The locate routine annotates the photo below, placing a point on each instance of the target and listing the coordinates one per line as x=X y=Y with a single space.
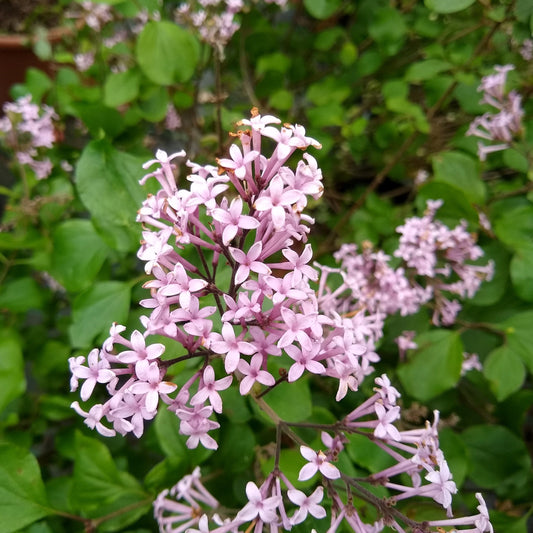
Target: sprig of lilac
x=28 y=130
x=505 y=124
x=245 y=294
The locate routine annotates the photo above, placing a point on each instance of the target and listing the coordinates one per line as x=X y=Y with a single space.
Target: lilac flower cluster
x=419 y=470
x=27 y=128
x=226 y=303
x=214 y=20
x=232 y=281
x=434 y=264
x=112 y=28
x=504 y=125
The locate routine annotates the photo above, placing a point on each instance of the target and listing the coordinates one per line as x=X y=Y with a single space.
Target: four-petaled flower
x=258 y=505
x=317 y=462
x=306 y=504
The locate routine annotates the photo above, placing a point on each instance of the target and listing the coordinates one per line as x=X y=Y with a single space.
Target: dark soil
x=20 y=16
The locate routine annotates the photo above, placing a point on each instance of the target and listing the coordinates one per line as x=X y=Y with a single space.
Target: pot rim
x=25 y=40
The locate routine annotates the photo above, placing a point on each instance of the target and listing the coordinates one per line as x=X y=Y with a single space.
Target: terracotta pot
x=16 y=56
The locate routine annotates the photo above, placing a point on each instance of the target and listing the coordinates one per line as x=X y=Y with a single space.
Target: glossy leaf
x=522 y=272
x=322 y=9
x=22 y=495
x=108 y=184
x=426 y=70
x=121 y=87
x=21 y=295
x=448 y=6
x=518 y=336
x=166 y=52
x=505 y=371
x=462 y=172
x=514 y=225
x=12 y=379
x=456 y=207
x=435 y=366
x=78 y=254
x=100 y=489
x=506 y=454
x=94 y=311
x=299 y=408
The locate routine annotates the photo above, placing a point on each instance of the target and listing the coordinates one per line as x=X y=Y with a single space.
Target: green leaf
x=154 y=104
x=165 y=473
x=21 y=295
x=498 y=459
x=436 y=365
x=22 y=494
x=237 y=444
x=276 y=62
x=522 y=272
x=448 y=6
x=100 y=489
x=331 y=114
x=326 y=39
x=518 y=335
x=300 y=406
x=388 y=29
x=516 y=160
x=121 y=87
x=363 y=451
x=462 y=172
x=505 y=371
x=502 y=521
x=322 y=9
x=100 y=119
x=491 y=291
x=78 y=254
x=167 y=53
x=514 y=225
x=37 y=83
x=281 y=99
x=94 y=310
x=108 y=184
x=235 y=405
x=326 y=91
x=426 y=70
x=12 y=380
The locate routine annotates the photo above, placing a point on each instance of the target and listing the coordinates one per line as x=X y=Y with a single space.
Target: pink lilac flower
x=317 y=463
x=98 y=370
x=253 y=373
x=258 y=505
x=233 y=220
x=150 y=384
x=502 y=126
x=248 y=262
x=208 y=390
x=28 y=129
x=231 y=347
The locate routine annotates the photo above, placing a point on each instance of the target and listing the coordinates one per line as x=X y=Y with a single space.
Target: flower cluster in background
x=502 y=126
x=216 y=21
x=28 y=130
x=435 y=262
